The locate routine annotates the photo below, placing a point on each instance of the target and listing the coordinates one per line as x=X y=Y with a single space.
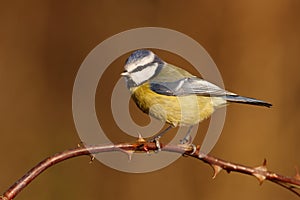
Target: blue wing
x=188 y=86
x=197 y=86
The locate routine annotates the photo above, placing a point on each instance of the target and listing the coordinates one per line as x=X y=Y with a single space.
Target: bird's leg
x=187 y=138
x=159 y=135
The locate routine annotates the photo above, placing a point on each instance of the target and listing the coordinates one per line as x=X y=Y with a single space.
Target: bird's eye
x=139 y=68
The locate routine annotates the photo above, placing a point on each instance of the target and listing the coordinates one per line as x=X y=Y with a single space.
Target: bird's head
x=141 y=66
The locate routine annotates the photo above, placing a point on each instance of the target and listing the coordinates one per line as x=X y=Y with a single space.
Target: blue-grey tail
x=247 y=100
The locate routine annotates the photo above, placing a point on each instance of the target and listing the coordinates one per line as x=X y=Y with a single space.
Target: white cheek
x=144 y=75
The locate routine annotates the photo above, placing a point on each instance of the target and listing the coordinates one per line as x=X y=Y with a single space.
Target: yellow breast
x=183 y=111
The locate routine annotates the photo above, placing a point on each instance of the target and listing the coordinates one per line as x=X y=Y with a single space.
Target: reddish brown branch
x=261 y=172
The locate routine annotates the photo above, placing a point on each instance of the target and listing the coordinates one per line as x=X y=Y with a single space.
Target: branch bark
x=141 y=146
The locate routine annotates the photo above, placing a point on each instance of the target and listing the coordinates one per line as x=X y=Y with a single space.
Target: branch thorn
x=129 y=153
x=92 y=158
x=260 y=169
x=81 y=144
x=216 y=169
x=141 y=139
x=259 y=177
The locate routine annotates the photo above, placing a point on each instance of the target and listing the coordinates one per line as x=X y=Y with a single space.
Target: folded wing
x=200 y=87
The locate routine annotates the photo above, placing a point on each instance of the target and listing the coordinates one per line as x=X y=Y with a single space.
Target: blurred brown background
x=255 y=44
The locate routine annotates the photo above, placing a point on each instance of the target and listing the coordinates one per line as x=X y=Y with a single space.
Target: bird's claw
x=157 y=143
x=186 y=140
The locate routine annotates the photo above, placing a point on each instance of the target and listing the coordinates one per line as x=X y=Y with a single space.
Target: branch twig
x=260 y=172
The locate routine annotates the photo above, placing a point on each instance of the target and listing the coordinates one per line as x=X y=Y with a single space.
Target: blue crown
x=137 y=55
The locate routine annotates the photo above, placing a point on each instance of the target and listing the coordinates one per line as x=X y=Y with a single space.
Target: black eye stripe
x=141 y=67
x=156 y=60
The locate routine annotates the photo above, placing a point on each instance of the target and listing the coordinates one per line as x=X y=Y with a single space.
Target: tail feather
x=247 y=100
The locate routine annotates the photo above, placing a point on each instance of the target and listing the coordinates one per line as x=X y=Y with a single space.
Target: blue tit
x=173 y=95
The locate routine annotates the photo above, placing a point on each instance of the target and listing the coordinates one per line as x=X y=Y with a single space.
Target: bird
x=172 y=94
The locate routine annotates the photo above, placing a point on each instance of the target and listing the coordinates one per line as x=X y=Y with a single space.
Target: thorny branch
x=141 y=146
